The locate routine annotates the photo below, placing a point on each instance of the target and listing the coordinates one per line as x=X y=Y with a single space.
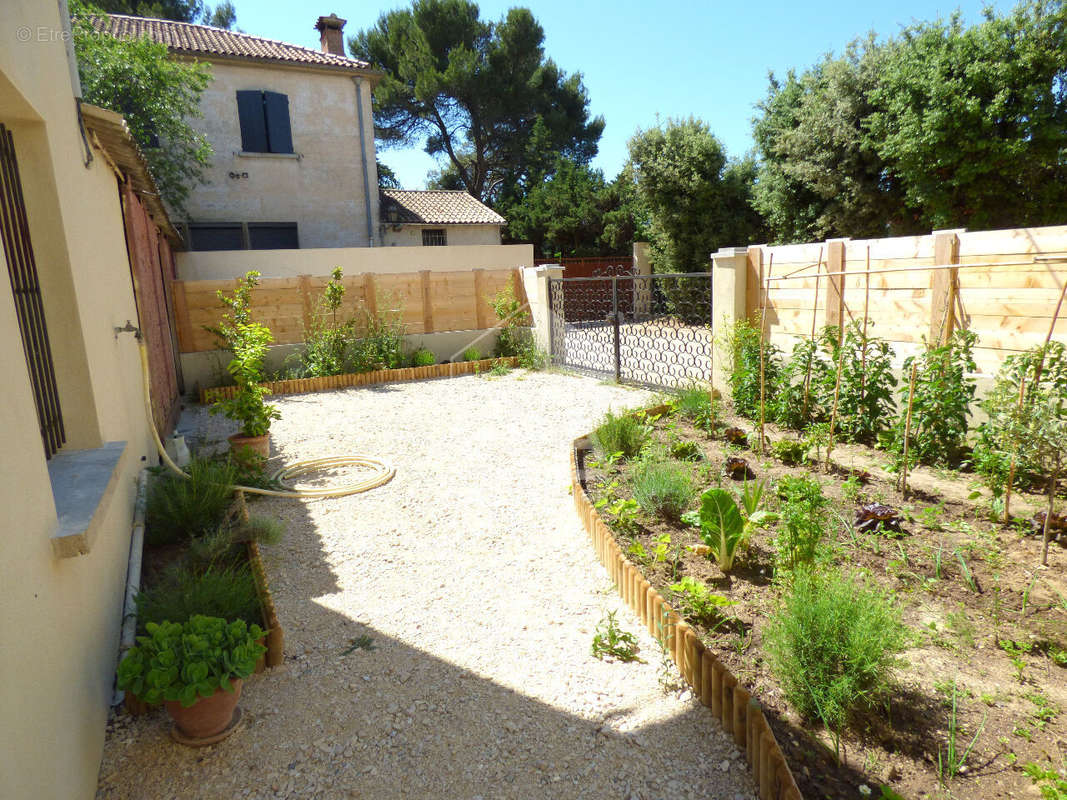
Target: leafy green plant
x=850 y=490
x=513 y=328
x=742 y=347
x=326 y=339
x=1051 y=783
x=610 y=641
x=952 y=760
x=228 y=592
x=378 y=336
x=865 y=396
x=182 y=661
x=248 y=341
x=685 y=449
x=178 y=508
x=423 y=358
x=789 y=451
x=472 y=354
x=663 y=488
x=804 y=521
x=944 y=389
x=797 y=399
x=722 y=527
x=833 y=645
x=699 y=406
x=699 y=603
x=624 y=434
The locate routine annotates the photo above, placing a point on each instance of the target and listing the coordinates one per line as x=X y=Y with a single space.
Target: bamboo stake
x=907 y=432
x=1048 y=514
x=762 y=359
x=863 y=350
x=1037 y=385
x=833 y=415
x=814 y=317
x=1011 y=470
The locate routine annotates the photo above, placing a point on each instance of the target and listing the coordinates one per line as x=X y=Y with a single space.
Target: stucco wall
x=411 y=235
x=60 y=618
x=321 y=188
x=224 y=264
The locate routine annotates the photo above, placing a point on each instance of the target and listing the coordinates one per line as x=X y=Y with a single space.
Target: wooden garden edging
x=302 y=385
x=730 y=703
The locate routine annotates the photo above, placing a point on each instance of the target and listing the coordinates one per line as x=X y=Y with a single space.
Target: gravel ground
x=473 y=577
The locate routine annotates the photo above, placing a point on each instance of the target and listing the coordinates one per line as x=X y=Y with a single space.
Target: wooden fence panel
x=427 y=302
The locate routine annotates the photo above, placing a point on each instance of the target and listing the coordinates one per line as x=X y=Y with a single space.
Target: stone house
x=293 y=135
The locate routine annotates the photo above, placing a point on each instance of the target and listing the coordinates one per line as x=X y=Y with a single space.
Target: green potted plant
x=195 y=669
x=248 y=341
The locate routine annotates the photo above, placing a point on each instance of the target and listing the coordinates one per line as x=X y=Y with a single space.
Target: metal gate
x=652 y=330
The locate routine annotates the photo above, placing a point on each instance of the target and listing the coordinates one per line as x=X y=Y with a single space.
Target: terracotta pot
x=260 y=445
x=208 y=715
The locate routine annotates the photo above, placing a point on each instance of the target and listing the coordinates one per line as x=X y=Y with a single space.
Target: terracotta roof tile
x=436 y=207
x=203 y=40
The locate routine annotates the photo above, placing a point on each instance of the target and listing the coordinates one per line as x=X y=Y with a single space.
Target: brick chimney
x=330 y=38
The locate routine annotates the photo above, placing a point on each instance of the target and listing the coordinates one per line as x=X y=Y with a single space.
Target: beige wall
x=223 y=264
x=60 y=618
x=411 y=235
x=321 y=188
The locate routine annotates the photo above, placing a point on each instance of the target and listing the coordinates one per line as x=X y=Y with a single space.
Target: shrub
x=833 y=645
x=513 y=331
x=472 y=354
x=804 y=521
x=326 y=339
x=178 y=508
x=423 y=358
x=786 y=404
x=743 y=350
x=378 y=338
x=624 y=434
x=865 y=399
x=228 y=592
x=941 y=402
x=663 y=488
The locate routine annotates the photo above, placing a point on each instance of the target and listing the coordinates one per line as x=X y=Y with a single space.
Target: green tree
x=694 y=198
x=820 y=175
x=973 y=121
x=224 y=15
x=179 y=10
x=473 y=91
x=386 y=177
x=156 y=95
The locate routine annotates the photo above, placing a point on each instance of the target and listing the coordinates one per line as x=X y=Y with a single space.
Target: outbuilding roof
x=435 y=207
x=187 y=38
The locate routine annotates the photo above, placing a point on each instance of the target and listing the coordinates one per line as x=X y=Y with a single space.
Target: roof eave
x=373 y=76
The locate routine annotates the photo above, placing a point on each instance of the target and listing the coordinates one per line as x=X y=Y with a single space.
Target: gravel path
x=471 y=573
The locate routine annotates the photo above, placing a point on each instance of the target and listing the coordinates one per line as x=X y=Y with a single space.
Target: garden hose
x=382 y=475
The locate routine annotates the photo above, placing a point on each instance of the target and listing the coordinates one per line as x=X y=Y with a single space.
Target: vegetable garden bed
x=980 y=691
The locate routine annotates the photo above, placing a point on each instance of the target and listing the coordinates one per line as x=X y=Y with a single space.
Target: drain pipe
x=133 y=579
x=363 y=160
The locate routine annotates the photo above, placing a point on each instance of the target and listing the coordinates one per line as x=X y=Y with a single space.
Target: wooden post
x=481 y=302
x=814 y=318
x=765 y=287
x=835 y=283
x=181 y=317
x=427 y=301
x=866 y=308
x=370 y=294
x=944 y=287
x=305 y=298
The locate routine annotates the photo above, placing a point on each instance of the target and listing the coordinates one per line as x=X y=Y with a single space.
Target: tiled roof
x=203 y=40
x=436 y=207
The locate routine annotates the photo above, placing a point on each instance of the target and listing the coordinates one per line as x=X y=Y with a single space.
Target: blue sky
x=641 y=61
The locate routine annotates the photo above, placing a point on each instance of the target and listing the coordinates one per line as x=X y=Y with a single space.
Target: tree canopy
x=221 y=16
x=156 y=94
x=476 y=92
x=943 y=126
x=694 y=198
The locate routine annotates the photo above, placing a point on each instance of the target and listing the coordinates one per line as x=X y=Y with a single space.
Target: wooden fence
x=1003 y=285
x=428 y=302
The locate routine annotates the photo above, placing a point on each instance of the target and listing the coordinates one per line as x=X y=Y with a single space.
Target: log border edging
x=734 y=706
x=349 y=379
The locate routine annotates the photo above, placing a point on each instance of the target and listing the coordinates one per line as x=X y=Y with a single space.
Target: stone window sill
x=248 y=154
x=83 y=485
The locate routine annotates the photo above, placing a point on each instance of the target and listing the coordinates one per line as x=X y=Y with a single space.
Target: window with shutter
x=264 y=119
x=272 y=236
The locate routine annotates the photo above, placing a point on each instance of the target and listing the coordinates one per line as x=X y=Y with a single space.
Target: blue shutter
x=253 y=129
x=279 y=134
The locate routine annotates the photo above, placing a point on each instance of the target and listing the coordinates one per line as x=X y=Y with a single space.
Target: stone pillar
x=642 y=288
x=535 y=281
x=729 y=278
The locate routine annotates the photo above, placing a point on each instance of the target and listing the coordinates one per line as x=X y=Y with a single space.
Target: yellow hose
x=383 y=475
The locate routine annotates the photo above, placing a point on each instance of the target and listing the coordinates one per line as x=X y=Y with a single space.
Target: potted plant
x=195 y=669
x=248 y=341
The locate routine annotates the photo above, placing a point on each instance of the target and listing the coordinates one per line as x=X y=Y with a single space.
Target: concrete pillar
x=642 y=288
x=535 y=281
x=729 y=278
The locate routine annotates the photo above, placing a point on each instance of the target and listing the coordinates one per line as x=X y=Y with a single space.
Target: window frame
x=265 y=122
x=431 y=234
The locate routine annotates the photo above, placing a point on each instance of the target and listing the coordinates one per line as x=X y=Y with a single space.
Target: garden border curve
x=733 y=705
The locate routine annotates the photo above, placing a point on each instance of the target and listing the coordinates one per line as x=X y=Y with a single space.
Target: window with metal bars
x=434 y=237
x=26 y=290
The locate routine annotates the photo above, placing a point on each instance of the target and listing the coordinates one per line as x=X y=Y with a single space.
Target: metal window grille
x=26 y=290
x=434 y=237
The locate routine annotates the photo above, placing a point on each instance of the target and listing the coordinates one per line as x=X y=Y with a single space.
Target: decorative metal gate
x=653 y=330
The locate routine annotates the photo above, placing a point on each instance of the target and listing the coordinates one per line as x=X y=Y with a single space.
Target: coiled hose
x=382 y=475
